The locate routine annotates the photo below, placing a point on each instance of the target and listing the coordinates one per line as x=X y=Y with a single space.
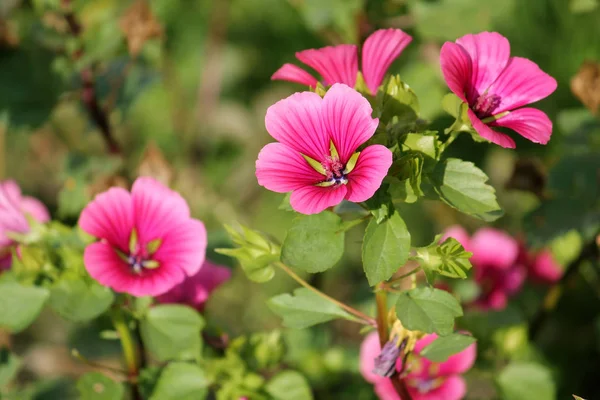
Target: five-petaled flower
x=339 y=64
x=316 y=158
x=13 y=210
x=425 y=380
x=478 y=69
x=148 y=241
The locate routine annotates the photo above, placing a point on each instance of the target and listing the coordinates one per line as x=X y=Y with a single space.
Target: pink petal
x=369 y=349
x=458 y=363
x=183 y=246
x=282 y=169
x=385 y=390
x=493 y=248
x=293 y=73
x=372 y=166
x=489 y=52
x=460 y=234
x=5 y=262
x=347 y=116
x=424 y=342
x=495 y=300
x=522 y=82
x=456 y=68
x=514 y=279
x=488 y=133
x=379 y=51
x=544 y=268
x=35 y=208
x=336 y=64
x=297 y=122
x=530 y=123
x=314 y=199
x=11 y=216
x=156 y=209
x=453 y=388
x=109 y=216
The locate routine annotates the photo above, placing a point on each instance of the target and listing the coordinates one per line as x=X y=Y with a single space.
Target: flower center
x=139 y=257
x=486 y=104
x=332 y=168
x=334 y=171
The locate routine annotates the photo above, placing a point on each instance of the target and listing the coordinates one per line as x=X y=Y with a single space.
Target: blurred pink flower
x=478 y=69
x=339 y=64
x=316 y=158
x=541 y=266
x=425 y=380
x=13 y=209
x=195 y=290
x=148 y=241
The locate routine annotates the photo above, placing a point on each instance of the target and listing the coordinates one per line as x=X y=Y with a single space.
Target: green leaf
x=20 y=305
x=428 y=310
x=314 y=243
x=526 y=381
x=79 y=301
x=398 y=103
x=9 y=366
x=289 y=385
x=462 y=185
x=305 y=308
x=181 y=381
x=97 y=386
x=172 y=331
x=386 y=247
x=445 y=346
x=448 y=258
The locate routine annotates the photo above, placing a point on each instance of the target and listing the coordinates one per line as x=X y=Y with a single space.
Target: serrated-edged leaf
x=463 y=186
x=289 y=385
x=428 y=310
x=448 y=258
x=386 y=247
x=445 y=346
x=526 y=381
x=314 y=243
x=181 y=381
x=305 y=308
x=20 y=305
x=97 y=386
x=77 y=300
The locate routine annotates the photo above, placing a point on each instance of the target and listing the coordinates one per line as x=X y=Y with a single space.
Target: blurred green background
x=183 y=86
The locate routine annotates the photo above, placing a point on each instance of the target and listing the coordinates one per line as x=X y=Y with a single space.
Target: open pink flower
x=541 y=266
x=497 y=265
x=195 y=290
x=478 y=69
x=425 y=379
x=148 y=241
x=316 y=158
x=13 y=209
x=339 y=64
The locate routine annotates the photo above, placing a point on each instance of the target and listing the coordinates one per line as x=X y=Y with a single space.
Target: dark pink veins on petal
x=486 y=104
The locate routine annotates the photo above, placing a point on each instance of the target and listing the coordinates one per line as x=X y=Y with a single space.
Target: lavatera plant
x=352 y=149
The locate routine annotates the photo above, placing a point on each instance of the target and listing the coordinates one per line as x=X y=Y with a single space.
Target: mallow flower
x=425 y=380
x=195 y=290
x=14 y=207
x=148 y=243
x=339 y=64
x=317 y=156
x=478 y=69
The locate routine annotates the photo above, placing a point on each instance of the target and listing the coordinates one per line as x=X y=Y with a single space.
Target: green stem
x=401 y=277
x=453 y=135
x=382 y=323
x=365 y=319
x=130 y=351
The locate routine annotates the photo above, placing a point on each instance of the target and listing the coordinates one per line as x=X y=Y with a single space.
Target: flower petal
x=11 y=216
x=35 y=208
x=489 y=52
x=183 y=246
x=336 y=64
x=379 y=51
x=347 y=116
x=522 y=82
x=456 y=68
x=292 y=73
x=369 y=349
x=314 y=199
x=460 y=234
x=282 y=169
x=530 y=123
x=488 y=133
x=494 y=248
x=385 y=390
x=372 y=166
x=297 y=122
x=544 y=268
x=109 y=216
x=458 y=363
x=453 y=388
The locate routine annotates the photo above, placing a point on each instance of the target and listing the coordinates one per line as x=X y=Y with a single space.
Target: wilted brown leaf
x=139 y=24
x=8 y=34
x=585 y=85
x=155 y=164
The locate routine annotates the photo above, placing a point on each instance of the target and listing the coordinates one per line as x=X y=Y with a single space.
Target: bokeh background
x=180 y=89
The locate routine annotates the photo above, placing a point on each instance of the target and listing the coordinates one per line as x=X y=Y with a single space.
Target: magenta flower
x=316 y=158
x=425 y=380
x=541 y=266
x=195 y=290
x=339 y=64
x=13 y=209
x=148 y=242
x=478 y=69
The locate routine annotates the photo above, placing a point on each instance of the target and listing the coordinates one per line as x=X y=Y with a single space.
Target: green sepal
x=317 y=166
x=150 y=264
x=325 y=184
x=333 y=151
x=133 y=240
x=153 y=246
x=351 y=164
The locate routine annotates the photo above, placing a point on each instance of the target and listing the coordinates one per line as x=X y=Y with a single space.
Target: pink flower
x=496 y=263
x=478 y=69
x=425 y=380
x=339 y=64
x=316 y=158
x=541 y=266
x=148 y=242
x=13 y=209
x=195 y=290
